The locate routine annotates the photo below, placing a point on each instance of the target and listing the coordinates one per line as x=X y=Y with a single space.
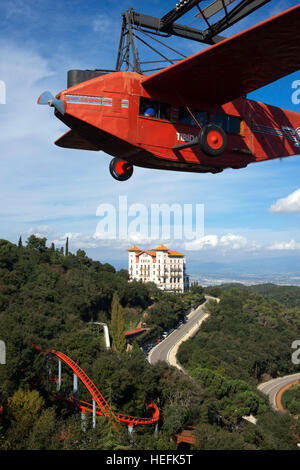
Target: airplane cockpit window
x=155 y=109
x=234 y=124
x=221 y=120
x=186 y=117
x=231 y=124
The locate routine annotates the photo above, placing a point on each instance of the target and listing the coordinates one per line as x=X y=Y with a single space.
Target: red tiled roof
x=161 y=248
x=174 y=253
x=139 y=252
x=151 y=253
x=135 y=331
x=134 y=248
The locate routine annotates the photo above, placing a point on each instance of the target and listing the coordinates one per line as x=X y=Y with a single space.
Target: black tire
x=216 y=146
x=118 y=164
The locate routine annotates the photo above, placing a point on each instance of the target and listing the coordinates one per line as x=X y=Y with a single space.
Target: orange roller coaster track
x=103 y=407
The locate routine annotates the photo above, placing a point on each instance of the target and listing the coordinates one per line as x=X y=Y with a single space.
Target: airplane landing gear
x=212 y=140
x=120 y=169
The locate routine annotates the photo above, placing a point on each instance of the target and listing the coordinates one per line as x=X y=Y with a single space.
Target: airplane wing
x=72 y=140
x=235 y=66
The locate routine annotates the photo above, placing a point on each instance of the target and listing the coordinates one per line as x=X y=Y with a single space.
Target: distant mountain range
x=259 y=266
x=283 y=269
x=248 y=280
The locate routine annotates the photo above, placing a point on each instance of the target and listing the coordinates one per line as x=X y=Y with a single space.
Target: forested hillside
x=50 y=297
x=246 y=339
x=286 y=295
x=291 y=399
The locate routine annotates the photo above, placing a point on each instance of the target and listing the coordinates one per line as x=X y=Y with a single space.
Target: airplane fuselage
x=107 y=113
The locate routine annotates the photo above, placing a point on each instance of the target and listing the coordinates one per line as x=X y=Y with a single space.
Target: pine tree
x=20 y=244
x=117 y=324
x=67 y=247
x=121 y=345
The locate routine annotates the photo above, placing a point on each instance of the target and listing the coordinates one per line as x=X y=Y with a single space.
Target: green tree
x=195 y=288
x=123 y=273
x=117 y=324
x=44 y=432
x=38 y=244
x=25 y=406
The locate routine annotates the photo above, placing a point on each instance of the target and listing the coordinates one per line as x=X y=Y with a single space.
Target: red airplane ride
x=200 y=119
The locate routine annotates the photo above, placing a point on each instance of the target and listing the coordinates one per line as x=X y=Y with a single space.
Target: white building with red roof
x=166 y=268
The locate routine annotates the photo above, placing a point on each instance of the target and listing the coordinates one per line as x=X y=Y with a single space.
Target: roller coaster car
x=193 y=115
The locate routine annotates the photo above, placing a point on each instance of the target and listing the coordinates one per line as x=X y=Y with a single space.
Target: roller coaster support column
x=2 y=352
x=75 y=389
x=59 y=375
x=83 y=420
x=48 y=373
x=156 y=428
x=94 y=414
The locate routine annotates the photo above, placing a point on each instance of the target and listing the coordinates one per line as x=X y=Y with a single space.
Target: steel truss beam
x=152 y=27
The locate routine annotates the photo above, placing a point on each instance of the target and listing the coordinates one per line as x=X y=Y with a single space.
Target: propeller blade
x=48 y=98
x=45 y=97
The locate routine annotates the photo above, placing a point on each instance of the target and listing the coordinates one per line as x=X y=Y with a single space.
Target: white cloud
x=292 y=245
x=40 y=231
x=227 y=242
x=290 y=203
x=85 y=240
x=208 y=241
x=96 y=240
x=76 y=240
x=21 y=69
x=233 y=241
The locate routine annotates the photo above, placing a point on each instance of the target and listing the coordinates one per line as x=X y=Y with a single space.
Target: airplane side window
x=164 y=111
x=185 y=117
x=234 y=125
x=231 y=124
x=221 y=120
x=148 y=107
x=201 y=117
x=154 y=109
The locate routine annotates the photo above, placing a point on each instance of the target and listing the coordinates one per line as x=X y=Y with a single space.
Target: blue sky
x=250 y=214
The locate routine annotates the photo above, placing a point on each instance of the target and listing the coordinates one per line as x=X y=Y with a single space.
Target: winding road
x=167 y=349
x=273 y=387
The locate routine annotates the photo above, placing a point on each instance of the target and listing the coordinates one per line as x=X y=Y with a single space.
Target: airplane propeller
x=48 y=98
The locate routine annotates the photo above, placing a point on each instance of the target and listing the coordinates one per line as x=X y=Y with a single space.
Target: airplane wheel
x=212 y=140
x=120 y=169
